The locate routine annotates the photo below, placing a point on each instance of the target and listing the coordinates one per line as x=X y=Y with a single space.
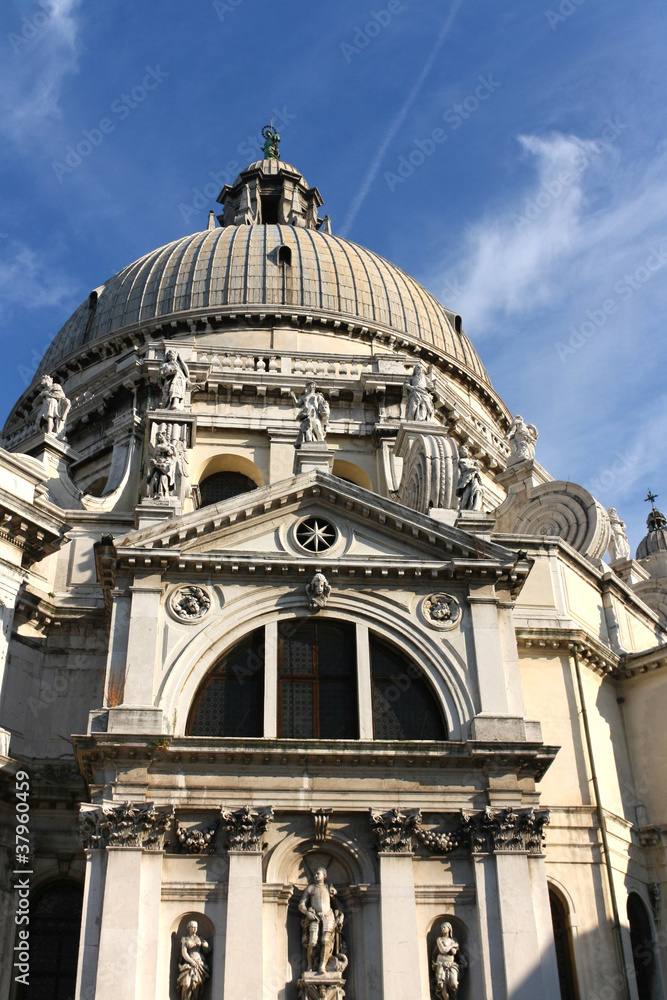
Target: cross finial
x=650 y=498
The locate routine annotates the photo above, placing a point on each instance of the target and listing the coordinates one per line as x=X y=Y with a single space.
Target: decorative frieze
x=130 y=824
x=487 y=832
x=246 y=826
x=394 y=829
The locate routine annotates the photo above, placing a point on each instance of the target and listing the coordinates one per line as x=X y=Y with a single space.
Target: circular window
x=315 y=534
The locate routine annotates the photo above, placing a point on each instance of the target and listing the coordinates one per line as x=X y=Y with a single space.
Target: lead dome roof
x=237 y=266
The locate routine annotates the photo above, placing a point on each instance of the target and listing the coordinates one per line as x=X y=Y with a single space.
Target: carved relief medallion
x=189 y=604
x=440 y=611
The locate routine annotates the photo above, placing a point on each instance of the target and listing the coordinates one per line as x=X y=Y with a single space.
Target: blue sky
x=511 y=156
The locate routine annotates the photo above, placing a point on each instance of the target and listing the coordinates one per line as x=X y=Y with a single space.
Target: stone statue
x=322 y=925
x=522 y=438
x=619 y=546
x=54 y=408
x=175 y=375
x=162 y=468
x=469 y=487
x=313 y=414
x=420 y=400
x=318 y=591
x=447 y=963
x=271 y=147
x=193 y=969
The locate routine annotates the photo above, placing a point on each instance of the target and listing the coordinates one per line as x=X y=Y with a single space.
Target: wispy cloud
x=28 y=281
x=44 y=46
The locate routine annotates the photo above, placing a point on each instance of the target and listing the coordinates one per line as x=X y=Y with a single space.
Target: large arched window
x=55 y=923
x=404 y=706
x=230 y=701
x=563 y=942
x=643 y=949
x=317 y=678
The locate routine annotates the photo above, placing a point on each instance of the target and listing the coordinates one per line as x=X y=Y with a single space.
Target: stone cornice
x=594 y=653
x=35 y=530
x=187 y=753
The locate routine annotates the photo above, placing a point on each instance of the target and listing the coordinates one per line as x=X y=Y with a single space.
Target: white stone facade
x=227 y=661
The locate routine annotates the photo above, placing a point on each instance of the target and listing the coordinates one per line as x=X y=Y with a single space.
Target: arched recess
x=230 y=699
x=643 y=949
x=404 y=702
x=352 y=473
x=446 y=672
x=206 y=933
x=561 y=919
x=459 y=933
x=55 y=925
x=225 y=476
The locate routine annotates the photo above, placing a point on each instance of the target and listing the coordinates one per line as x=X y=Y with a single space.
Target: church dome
x=244 y=267
x=655 y=542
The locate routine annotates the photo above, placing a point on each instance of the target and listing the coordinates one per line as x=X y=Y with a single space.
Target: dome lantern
x=271 y=192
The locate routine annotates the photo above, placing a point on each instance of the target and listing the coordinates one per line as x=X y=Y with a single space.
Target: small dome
x=655 y=542
x=237 y=267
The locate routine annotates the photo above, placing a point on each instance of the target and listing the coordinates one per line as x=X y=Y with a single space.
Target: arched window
x=317 y=680
x=563 y=943
x=223 y=486
x=404 y=705
x=643 y=950
x=55 y=923
x=230 y=701
x=314 y=674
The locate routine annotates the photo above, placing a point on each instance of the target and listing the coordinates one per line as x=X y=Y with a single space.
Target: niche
x=206 y=933
x=460 y=935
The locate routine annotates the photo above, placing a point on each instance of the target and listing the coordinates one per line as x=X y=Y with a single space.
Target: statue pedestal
x=321 y=986
x=313 y=456
x=149 y=511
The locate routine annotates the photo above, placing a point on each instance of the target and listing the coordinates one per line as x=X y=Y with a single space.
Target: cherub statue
x=318 y=591
x=420 y=400
x=619 y=546
x=175 y=376
x=469 y=487
x=447 y=963
x=54 y=407
x=193 y=969
x=522 y=438
x=313 y=414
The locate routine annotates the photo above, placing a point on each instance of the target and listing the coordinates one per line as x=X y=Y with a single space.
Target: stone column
x=118 y=955
x=401 y=974
x=401 y=946
x=244 y=949
x=89 y=940
x=271 y=680
x=119 y=945
x=243 y=943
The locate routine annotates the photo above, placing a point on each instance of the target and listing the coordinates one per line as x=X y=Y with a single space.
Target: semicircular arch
x=438 y=662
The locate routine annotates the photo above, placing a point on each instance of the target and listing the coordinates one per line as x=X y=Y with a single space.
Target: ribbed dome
x=227 y=269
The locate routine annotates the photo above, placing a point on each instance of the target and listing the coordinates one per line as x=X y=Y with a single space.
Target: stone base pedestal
x=477 y=522
x=321 y=986
x=313 y=456
x=149 y=511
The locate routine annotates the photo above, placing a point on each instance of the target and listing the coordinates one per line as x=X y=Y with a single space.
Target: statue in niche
x=54 y=408
x=420 y=400
x=322 y=926
x=619 y=546
x=469 y=487
x=162 y=468
x=175 y=376
x=193 y=970
x=447 y=963
x=318 y=592
x=313 y=414
x=522 y=438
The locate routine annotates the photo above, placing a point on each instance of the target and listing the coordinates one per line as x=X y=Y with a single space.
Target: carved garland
x=487 y=832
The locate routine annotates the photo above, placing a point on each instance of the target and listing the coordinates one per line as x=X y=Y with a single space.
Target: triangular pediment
x=264 y=523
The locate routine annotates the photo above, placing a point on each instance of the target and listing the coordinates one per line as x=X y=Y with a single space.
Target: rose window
x=315 y=534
